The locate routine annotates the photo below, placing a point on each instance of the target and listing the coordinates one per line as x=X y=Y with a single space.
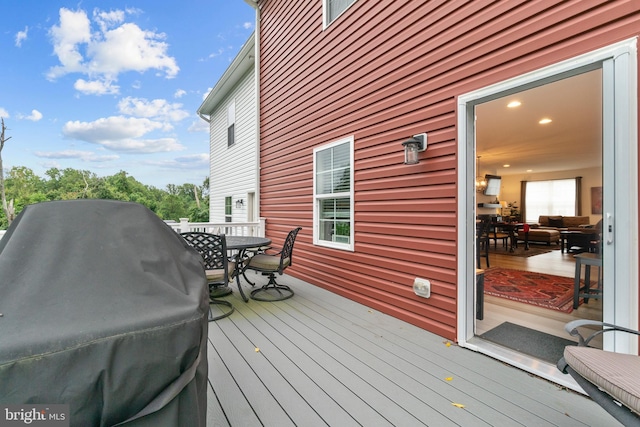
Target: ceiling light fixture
x=506 y=166
x=514 y=104
x=545 y=121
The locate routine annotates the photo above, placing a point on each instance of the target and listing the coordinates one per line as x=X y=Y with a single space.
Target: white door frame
x=620 y=147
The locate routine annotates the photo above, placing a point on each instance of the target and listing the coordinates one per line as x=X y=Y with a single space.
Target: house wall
x=383 y=72
x=233 y=170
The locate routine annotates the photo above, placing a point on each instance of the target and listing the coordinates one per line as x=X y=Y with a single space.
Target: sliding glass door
x=616 y=70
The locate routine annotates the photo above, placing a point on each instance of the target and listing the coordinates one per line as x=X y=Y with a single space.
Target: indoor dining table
x=241 y=246
x=512 y=228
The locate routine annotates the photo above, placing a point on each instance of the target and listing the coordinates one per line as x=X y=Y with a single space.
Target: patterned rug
x=520 y=250
x=542 y=290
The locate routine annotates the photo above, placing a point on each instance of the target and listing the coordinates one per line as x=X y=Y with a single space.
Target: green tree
x=7 y=208
x=173 y=207
x=177 y=201
x=69 y=184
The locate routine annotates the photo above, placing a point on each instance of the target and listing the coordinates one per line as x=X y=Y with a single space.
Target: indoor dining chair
x=483 y=227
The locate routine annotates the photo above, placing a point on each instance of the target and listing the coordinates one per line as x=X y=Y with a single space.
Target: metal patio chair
x=218 y=269
x=612 y=380
x=269 y=265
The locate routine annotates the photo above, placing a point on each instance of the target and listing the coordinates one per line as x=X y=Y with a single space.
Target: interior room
x=535 y=140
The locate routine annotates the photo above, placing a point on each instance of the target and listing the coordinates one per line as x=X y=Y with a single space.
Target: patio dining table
x=242 y=244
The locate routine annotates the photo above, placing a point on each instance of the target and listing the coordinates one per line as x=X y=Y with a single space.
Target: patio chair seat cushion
x=265 y=262
x=217 y=275
x=618 y=374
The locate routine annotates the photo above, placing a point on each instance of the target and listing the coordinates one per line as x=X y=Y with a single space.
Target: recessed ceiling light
x=545 y=121
x=529 y=170
x=506 y=166
x=514 y=104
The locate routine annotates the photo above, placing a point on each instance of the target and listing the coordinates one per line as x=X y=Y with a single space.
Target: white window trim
x=325 y=14
x=316 y=215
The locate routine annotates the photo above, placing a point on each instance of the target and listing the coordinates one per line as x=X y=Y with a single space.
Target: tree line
x=23 y=187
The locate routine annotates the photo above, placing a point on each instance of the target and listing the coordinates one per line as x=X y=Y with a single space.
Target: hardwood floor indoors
x=499 y=310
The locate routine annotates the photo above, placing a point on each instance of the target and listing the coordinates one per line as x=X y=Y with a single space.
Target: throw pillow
x=556 y=221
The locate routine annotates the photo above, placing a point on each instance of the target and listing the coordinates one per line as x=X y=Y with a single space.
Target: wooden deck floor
x=319 y=359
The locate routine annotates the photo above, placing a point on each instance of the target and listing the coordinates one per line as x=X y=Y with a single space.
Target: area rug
x=520 y=251
x=539 y=289
x=540 y=345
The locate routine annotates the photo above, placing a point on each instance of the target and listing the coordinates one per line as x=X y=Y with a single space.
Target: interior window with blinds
x=554 y=197
x=333 y=194
x=333 y=9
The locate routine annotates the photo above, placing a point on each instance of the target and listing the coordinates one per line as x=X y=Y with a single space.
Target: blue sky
x=110 y=86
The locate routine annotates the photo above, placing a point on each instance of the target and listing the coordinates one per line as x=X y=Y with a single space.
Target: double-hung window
x=333 y=8
x=228 y=209
x=231 y=123
x=333 y=195
x=554 y=197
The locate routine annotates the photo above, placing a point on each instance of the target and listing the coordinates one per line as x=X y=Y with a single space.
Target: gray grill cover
x=104 y=307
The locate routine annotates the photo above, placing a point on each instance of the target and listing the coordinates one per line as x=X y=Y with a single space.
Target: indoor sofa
x=563 y=223
x=548 y=228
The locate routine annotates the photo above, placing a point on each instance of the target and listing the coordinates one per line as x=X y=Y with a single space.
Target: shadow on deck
x=320 y=359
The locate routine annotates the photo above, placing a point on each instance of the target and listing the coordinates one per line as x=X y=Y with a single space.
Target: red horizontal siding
x=382 y=72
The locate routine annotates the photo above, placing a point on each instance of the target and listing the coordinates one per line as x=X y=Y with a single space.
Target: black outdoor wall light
x=239 y=203
x=412 y=147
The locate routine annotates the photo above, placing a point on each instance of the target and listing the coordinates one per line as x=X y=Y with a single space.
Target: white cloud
x=191 y=161
x=21 y=36
x=74 y=29
x=144 y=146
x=218 y=53
x=109 y=19
x=86 y=156
x=180 y=93
x=96 y=87
x=199 y=126
x=114 y=47
x=156 y=108
x=34 y=116
x=247 y=25
x=120 y=133
x=129 y=48
x=4 y=113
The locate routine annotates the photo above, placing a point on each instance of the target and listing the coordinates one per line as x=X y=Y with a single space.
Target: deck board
x=376 y=366
x=326 y=360
x=295 y=364
x=473 y=377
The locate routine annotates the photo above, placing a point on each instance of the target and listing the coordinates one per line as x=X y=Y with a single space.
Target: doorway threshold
x=522 y=361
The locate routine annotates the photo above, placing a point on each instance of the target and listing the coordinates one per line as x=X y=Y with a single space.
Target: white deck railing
x=228 y=228
x=256 y=229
